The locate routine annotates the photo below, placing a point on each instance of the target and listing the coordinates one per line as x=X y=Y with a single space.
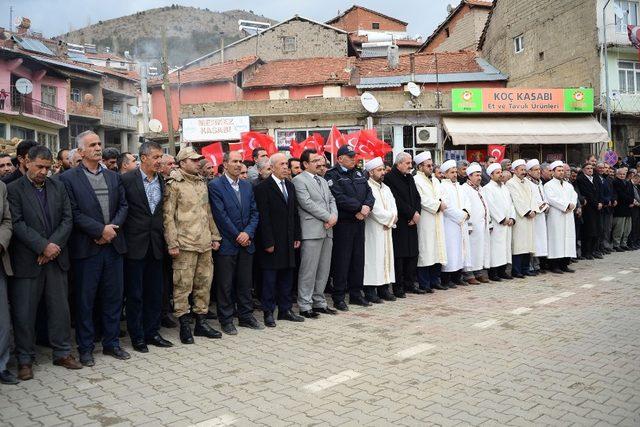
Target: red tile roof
x=425 y=63
x=302 y=72
x=223 y=71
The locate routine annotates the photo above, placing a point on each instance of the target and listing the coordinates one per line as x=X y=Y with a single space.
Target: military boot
x=185 y=330
x=203 y=329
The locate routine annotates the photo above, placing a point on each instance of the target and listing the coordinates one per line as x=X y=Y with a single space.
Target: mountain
x=191 y=32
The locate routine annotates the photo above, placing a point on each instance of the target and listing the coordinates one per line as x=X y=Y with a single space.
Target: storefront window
x=285 y=136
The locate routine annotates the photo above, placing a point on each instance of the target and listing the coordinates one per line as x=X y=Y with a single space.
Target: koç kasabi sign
x=214 y=128
x=516 y=100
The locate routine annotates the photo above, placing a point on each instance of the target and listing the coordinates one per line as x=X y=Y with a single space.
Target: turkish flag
x=352 y=138
x=237 y=146
x=213 y=152
x=370 y=146
x=497 y=151
x=335 y=141
x=253 y=140
x=313 y=142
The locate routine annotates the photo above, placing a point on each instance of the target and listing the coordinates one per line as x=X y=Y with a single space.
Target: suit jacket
x=316 y=204
x=142 y=229
x=13 y=176
x=590 y=213
x=6 y=229
x=88 y=222
x=624 y=193
x=232 y=217
x=404 y=190
x=279 y=224
x=30 y=235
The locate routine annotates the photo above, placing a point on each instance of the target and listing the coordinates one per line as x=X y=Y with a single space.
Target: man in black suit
x=21 y=156
x=42 y=223
x=99 y=209
x=143 y=232
x=277 y=238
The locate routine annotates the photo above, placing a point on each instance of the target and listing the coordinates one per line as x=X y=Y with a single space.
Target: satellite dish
x=155 y=125
x=88 y=98
x=369 y=102
x=24 y=86
x=413 y=89
x=134 y=110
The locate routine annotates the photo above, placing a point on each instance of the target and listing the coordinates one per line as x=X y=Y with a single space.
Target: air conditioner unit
x=427 y=135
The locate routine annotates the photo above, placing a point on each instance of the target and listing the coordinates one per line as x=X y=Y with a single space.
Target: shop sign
x=214 y=128
x=516 y=100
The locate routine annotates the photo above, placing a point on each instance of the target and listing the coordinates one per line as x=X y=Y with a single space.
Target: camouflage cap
x=188 y=153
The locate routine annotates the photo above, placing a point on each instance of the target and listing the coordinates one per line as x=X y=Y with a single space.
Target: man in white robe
x=431 y=237
x=503 y=217
x=539 y=260
x=479 y=224
x=379 y=269
x=456 y=231
x=523 y=243
x=561 y=230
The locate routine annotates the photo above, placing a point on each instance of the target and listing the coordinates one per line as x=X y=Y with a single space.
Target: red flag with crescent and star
x=213 y=153
x=497 y=151
x=634 y=36
x=334 y=141
x=252 y=140
x=313 y=142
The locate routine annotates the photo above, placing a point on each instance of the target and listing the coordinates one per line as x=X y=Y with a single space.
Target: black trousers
x=143 y=287
x=405 y=269
x=233 y=285
x=634 y=237
x=347 y=260
x=559 y=262
x=451 y=277
x=588 y=244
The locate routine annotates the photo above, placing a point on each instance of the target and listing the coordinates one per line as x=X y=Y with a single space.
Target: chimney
x=393 y=57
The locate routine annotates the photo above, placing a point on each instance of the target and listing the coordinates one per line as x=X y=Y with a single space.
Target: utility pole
x=145 y=97
x=10 y=19
x=606 y=67
x=167 y=92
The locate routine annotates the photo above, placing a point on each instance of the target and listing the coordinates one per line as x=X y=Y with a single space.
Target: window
x=629 y=76
x=541 y=56
x=518 y=43
x=49 y=95
x=375 y=25
x=22 y=133
x=446 y=32
x=76 y=95
x=630 y=14
x=289 y=43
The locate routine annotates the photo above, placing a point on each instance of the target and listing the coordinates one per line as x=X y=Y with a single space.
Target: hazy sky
x=53 y=17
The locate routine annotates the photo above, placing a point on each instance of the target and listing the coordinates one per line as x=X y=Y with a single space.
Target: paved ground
x=557 y=350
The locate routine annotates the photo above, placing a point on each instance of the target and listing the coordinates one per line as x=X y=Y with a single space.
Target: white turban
x=473 y=167
x=555 y=164
x=532 y=163
x=373 y=163
x=420 y=158
x=493 y=167
x=517 y=163
x=448 y=165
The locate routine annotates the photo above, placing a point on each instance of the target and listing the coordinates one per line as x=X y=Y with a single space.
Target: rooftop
x=224 y=71
x=302 y=72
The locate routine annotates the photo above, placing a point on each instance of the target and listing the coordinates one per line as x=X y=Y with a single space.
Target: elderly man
x=405 y=233
x=545 y=173
x=561 y=228
x=259 y=155
x=75 y=157
x=6 y=166
x=354 y=200
x=605 y=220
x=456 y=216
x=462 y=166
x=479 y=232
x=590 y=188
x=191 y=235
x=264 y=171
x=524 y=243
x=622 y=210
x=503 y=217
x=539 y=261
x=319 y=214
x=278 y=237
x=379 y=271
x=99 y=207
x=506 y=164
x=42 y=223
x=207 y=171
x=431 y=239
x=168 y=164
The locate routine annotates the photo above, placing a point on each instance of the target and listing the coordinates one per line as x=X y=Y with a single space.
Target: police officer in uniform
x=355 y=201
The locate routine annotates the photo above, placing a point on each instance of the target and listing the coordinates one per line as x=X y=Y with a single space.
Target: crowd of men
x=96 y=236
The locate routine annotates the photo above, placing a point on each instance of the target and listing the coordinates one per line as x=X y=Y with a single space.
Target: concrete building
x=461 y=29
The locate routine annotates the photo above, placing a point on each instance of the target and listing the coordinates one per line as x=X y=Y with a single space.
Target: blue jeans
x=144 y=296
x=100 y=274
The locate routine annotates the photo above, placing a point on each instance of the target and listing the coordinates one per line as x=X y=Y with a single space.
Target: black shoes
x=202 y=328
x=439 y=287
x=185 y=329
x=567 y=270
x=250 y=323
x=6 y=377
x=517 y=276
x=371 y=295
x=413 y=289
x=269 y=321
x=86 y=359
x=290 y=316
x=168 y=322
x=116 y=352
x=325 y=310
x=385 y=294
x=495 y=278
x=556 y=271
x=309 y=314
x=140 y=346
x=158 y=341
x=358 y=300
x=341 y=305
x=229 y=329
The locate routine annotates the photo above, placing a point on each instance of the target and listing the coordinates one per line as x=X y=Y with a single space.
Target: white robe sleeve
x=556 y=196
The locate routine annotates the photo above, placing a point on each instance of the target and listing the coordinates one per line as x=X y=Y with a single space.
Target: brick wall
x=465 y=29
x=360 y=19
x=565 y=33
x=312 y=40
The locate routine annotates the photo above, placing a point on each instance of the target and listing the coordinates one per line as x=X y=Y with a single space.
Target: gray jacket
x=316 y=204
x=6 y=228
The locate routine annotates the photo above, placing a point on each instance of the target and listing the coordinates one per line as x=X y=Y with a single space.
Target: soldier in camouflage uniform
x=191 y=235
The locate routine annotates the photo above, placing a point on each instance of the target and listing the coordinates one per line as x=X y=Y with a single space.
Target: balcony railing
x=118 y=120
x=32 y=107
x=85 y=109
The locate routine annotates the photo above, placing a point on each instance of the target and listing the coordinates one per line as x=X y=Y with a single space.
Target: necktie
x=284 y=191
x=317 y=178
